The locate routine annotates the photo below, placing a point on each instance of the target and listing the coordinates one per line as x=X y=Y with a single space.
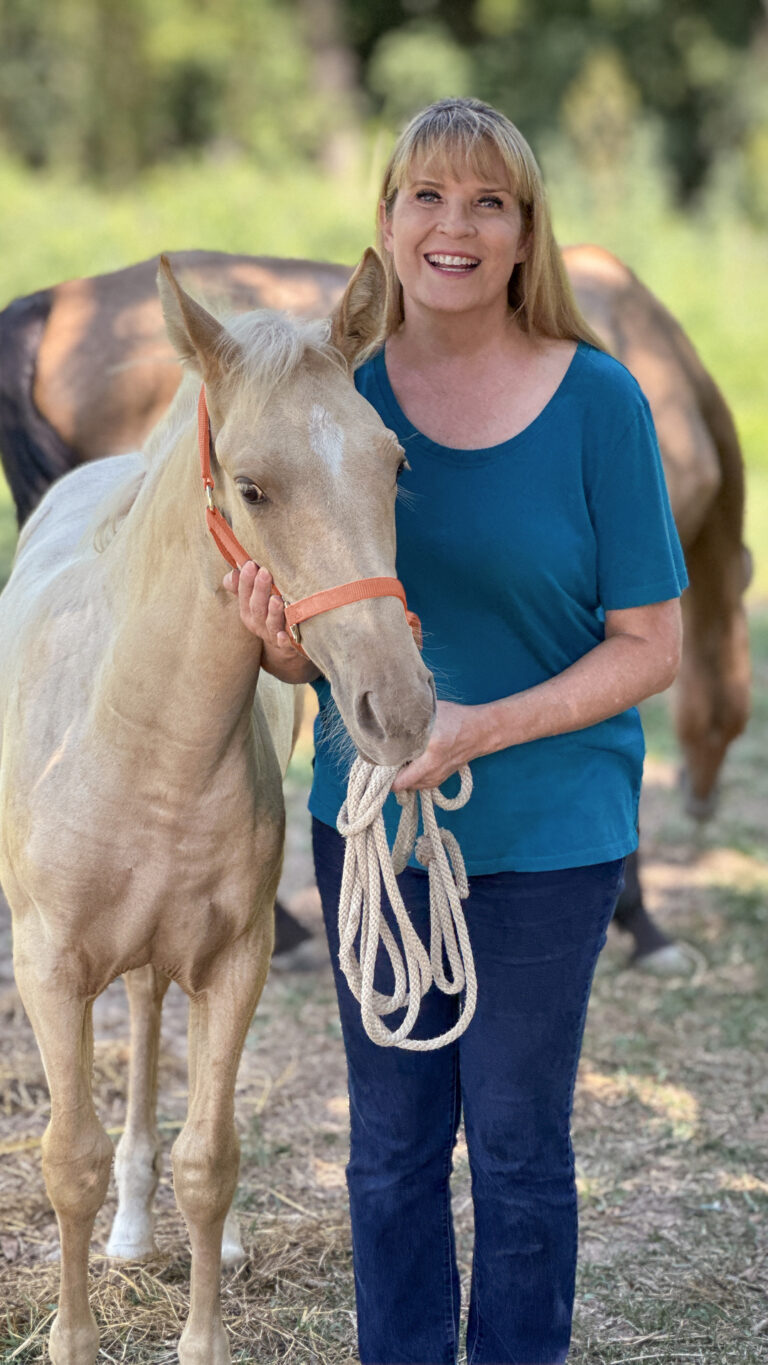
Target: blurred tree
x=416 y=64
x=107 y=87
x=679 y=61
x=334 y=76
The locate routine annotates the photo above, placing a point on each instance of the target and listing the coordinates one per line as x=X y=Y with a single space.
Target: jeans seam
x=611 y=901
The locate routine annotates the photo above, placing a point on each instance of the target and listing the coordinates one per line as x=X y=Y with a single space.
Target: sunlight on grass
x=745 y=1183
x=673 y=1103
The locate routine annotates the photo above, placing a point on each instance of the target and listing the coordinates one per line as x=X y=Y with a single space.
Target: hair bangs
x=462 y=137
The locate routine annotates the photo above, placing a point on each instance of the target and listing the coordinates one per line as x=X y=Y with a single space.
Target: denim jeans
x=535 y=938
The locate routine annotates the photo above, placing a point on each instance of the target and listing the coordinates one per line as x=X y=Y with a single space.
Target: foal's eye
x=403 y=465
x=250 y=491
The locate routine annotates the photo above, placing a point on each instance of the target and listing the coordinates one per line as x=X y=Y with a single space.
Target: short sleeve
x=639 y=556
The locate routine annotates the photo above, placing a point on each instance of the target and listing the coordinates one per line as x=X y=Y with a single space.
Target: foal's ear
x=357 y=322
x=199 y=340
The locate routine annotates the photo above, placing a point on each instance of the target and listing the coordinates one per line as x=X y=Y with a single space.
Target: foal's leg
x=138 y=1152
x=207 y=1151
x=232 y=1250
x=77 y=1155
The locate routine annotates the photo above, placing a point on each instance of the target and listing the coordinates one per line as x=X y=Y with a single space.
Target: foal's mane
x=263 y=349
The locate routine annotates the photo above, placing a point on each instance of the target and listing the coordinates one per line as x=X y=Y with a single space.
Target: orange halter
x=233 y=552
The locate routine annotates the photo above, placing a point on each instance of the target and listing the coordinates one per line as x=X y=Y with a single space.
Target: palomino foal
x=141 y=811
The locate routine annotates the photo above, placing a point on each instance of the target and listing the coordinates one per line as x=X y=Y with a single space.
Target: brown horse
x=86 y=369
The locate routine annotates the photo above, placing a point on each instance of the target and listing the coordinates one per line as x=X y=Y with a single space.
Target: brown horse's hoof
x=672 y=959
x=699 y=808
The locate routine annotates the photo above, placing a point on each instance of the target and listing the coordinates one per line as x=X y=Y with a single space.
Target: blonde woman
x=538 y=548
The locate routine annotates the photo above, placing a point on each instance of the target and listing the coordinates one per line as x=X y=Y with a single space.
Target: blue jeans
x=535 y=938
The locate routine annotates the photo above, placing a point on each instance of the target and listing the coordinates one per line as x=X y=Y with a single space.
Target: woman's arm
x=639 y=656
x=264 y=615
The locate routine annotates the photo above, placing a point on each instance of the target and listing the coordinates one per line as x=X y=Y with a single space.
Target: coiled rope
x=367 y=861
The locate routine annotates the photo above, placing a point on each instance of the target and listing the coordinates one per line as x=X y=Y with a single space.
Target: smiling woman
x=538 y=548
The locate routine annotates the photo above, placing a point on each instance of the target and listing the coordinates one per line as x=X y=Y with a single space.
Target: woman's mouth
x=451 y=264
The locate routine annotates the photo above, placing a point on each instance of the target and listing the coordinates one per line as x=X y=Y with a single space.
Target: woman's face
x=455 y=242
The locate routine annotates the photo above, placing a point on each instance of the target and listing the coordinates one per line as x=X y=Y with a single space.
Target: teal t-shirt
x=510 y=556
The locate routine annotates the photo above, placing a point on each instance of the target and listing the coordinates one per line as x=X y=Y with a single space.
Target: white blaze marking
x=326 y=438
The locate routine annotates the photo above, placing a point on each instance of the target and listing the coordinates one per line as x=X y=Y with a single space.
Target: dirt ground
x=670 y=1131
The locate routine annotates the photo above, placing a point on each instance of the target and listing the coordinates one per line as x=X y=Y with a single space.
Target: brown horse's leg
x=631 y=916
x=138 y=1152
x=77 y=1154
x=712 y=699
x=206 y=1152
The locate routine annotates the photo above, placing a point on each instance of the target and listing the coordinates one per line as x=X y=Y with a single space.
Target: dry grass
x=671 y=1128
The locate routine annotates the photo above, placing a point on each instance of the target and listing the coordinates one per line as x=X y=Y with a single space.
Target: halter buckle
x=293 y=630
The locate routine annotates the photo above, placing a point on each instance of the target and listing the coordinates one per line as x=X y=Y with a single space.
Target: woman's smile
x=451 y=265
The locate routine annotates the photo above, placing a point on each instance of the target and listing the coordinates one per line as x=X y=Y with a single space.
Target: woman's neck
x=471 y=339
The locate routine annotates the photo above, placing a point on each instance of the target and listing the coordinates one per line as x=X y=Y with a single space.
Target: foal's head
x=306 y=474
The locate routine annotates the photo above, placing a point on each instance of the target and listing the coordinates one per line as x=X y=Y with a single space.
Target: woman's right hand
x=264 y=616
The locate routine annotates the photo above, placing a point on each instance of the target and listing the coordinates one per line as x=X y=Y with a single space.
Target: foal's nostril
x=367 y=719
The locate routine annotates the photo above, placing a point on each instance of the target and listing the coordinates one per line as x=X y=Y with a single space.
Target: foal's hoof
x=131 y=1239
x=232 y=1250
x=673 y=959
x=74 y=1345
x=204 y=1347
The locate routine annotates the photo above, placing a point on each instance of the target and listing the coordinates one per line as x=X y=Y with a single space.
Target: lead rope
x=367 y=861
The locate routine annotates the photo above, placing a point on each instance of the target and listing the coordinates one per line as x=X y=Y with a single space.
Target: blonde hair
x=467 y=132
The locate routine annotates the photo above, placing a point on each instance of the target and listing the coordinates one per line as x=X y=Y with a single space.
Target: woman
x=538 y=548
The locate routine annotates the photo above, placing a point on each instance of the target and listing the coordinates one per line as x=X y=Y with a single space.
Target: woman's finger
x=251 y=600
x=275 y=616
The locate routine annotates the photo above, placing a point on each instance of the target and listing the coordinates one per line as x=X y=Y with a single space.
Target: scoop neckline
x=409 y=432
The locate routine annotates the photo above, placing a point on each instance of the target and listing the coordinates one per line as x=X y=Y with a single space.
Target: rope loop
x=368 y=863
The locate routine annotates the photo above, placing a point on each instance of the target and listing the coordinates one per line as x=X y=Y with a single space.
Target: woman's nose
x=456 y=221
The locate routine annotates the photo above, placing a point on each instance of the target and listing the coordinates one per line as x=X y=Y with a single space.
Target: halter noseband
x=236 y=556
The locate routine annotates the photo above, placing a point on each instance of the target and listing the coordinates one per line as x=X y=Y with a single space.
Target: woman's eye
x=493 y=201
x=250 y=491
x=426 y=195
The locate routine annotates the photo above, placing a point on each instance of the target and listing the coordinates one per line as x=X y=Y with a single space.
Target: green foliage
x=415 y=65
x=107 y=88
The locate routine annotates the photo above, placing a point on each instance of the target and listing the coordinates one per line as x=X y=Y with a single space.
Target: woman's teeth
x=454 y=263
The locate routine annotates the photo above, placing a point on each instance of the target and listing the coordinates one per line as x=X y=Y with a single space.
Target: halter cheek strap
x=237 y=556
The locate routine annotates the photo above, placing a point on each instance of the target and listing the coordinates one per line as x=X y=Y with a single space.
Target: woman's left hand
x=454 y=740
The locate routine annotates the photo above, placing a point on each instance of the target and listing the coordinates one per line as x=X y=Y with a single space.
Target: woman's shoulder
x=603 y=380
x=365 y=374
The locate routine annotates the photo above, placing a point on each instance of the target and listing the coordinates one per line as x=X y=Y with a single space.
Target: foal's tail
x=33 y=454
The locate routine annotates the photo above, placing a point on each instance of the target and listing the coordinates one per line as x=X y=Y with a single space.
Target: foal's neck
x=182 y=662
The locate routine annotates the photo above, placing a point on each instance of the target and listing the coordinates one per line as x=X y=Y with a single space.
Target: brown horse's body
x=86 y=370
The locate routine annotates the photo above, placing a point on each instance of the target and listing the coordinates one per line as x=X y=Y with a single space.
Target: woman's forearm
x=639 y=656
x=616 y=674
